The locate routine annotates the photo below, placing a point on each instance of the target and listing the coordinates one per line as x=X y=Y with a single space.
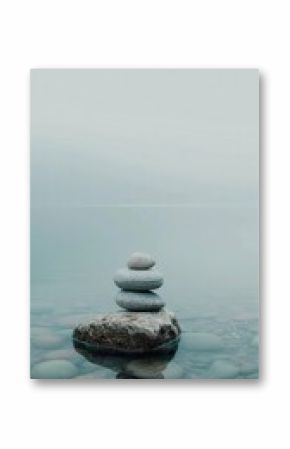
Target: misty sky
x=144 y=136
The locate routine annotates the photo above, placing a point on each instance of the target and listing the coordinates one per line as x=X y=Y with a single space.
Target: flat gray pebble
x=137 y=280
x=139 y=302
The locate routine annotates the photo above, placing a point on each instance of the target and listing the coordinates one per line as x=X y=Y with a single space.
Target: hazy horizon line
x=144 y=205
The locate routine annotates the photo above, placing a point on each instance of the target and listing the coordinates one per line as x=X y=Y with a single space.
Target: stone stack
x=144 y=328
x=137 y=282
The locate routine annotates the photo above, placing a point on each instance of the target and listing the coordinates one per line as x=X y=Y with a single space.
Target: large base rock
x=130 y=333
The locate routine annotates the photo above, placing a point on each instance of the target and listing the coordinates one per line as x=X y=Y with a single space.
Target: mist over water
x=164 y=162
x=210 y=271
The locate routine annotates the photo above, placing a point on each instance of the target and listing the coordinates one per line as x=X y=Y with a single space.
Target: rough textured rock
x=140 y=261
x=130 y=333
x=138 y=280
x=139 y=302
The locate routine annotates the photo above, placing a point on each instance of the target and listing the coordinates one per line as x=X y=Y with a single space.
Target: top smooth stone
x=140 y=261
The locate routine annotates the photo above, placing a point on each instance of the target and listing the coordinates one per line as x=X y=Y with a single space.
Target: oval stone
x=144 y=368
x=46 y=339
x=223 y=369
x=54 y=369
x=139 y=302
x=134 y=280
x=140 y=261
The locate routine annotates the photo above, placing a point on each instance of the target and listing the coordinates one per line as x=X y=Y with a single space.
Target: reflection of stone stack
x=136 y=283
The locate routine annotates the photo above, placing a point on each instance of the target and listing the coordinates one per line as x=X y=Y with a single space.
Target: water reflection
x=129 y=367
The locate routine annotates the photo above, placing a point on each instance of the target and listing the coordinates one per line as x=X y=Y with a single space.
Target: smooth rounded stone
x=54 y=369
x=46 y=339
x=140 y=261
x=223 y=369
x=201 y=341
x=130 y=333
x=134 y=280
x=173 y=371
x=146 y=368
x=139 y=301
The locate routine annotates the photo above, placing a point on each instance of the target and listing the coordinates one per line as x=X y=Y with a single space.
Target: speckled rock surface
x=130 y=332
x=138 y=280
x=139 y=301
x=140 y=261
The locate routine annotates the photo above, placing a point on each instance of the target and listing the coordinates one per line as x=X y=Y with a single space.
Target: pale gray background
x=144 y=136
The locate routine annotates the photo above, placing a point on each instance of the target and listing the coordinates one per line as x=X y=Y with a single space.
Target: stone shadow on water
x=128 y=366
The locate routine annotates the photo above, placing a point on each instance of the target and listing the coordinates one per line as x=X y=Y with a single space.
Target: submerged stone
x=138 y=280
x=153 y=368
x=62 y=354
x=46 y=339
x=139 y=301
x=146 y=368
x=173 y=371
x=129 y=366
x=223 y=369
x=130 y=333
x=54 y=369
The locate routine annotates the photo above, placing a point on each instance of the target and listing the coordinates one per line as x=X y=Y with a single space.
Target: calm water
x=209 y=259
